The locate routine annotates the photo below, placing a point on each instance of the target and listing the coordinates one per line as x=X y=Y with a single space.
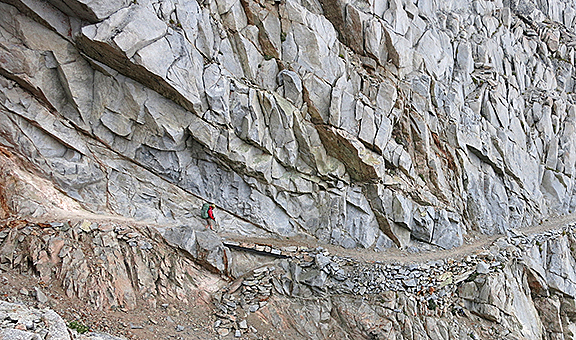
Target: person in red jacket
x=210 y=220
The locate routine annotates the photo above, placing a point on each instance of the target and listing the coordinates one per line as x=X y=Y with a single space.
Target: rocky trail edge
x=474 y=243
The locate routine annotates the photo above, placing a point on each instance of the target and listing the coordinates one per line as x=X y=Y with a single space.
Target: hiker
x=208 y=215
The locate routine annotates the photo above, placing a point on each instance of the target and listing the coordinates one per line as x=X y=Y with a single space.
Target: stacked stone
x=245 y=295
x=436 y=288
x=132 y=237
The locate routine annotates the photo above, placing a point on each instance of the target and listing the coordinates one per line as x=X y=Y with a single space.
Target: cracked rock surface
x=360 y=124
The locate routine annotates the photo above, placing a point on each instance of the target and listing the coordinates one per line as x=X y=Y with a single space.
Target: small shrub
x=78 y=327
x=472 y=277
x=283 y=36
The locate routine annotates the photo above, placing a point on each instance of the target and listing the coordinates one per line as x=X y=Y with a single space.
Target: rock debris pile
x=247 y=294
x=535 y=271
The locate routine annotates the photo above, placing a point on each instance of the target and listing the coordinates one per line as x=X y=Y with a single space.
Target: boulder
x=205 y=246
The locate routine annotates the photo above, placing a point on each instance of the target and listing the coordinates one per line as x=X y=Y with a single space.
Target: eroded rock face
x=110 y=265
x=461 y=114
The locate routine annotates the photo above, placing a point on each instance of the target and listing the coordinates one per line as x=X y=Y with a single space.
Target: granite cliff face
x=361 y=124
x=353 y=123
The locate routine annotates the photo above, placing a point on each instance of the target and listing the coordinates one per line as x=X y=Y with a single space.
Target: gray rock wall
x=360 y=123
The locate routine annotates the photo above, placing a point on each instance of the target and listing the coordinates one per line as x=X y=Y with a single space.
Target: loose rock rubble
x=18 y=322
x=88 y=271
x=247 y=294
x=486 y=284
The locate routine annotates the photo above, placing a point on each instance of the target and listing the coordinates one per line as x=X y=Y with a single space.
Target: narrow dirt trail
x=395 y=255
x=392 y=255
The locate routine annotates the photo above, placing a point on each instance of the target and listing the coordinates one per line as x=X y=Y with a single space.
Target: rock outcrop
x=108 y=264
x=415 y=124
x=361 y=124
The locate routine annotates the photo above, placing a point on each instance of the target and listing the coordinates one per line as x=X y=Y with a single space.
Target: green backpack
x=205 y=208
